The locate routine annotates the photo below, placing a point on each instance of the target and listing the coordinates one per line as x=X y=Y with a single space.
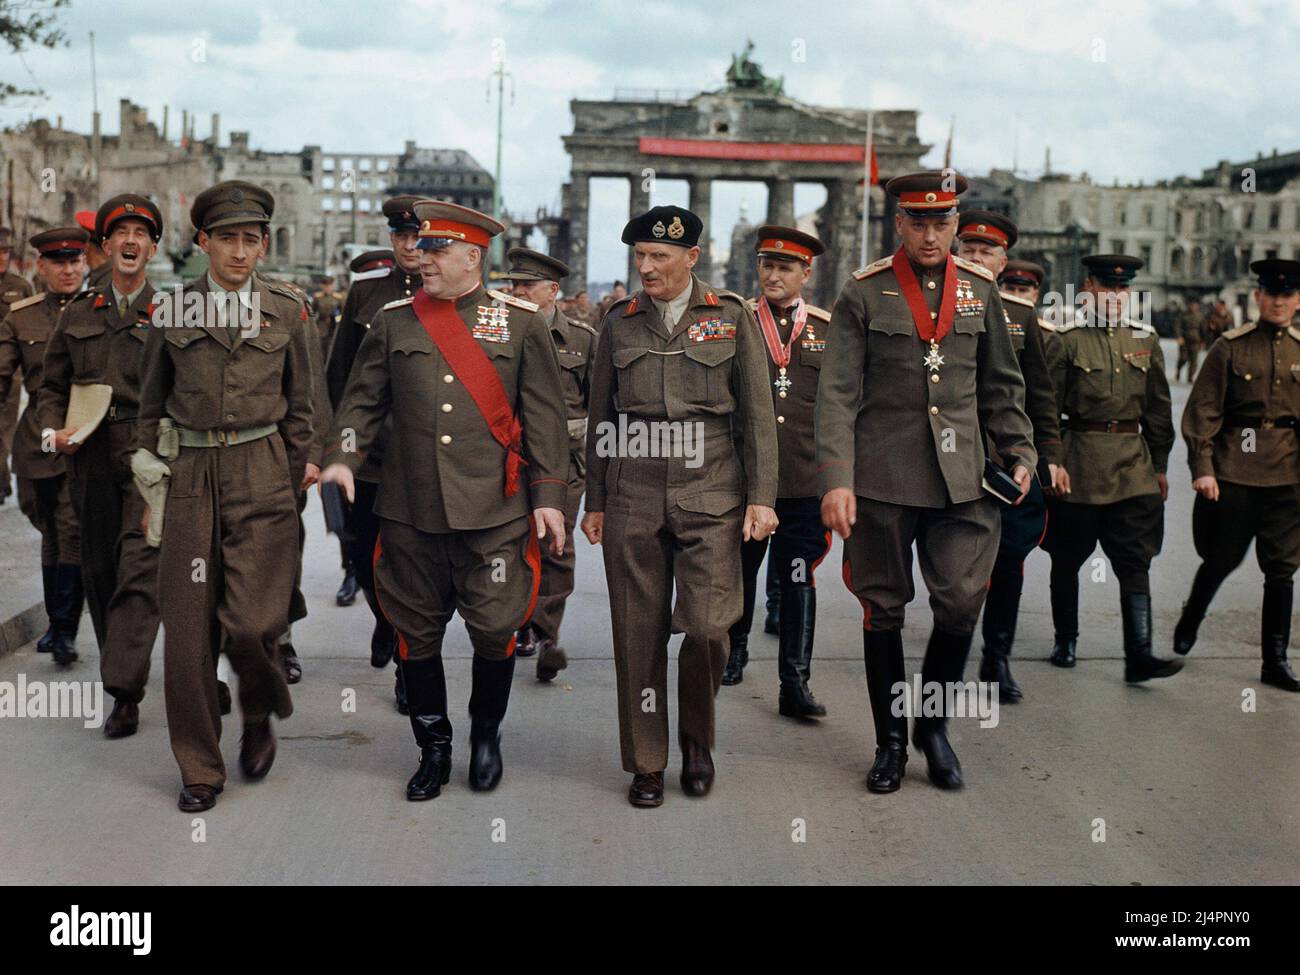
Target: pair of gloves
x=150 y=474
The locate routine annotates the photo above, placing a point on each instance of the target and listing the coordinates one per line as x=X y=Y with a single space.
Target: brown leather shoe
x=647 y=790
x=123 y=721
x=196 y=798
x=697 y=769
x=526 y=641
x=292 y=665
x=257 y=749
x=223 y=697
x=550 y=660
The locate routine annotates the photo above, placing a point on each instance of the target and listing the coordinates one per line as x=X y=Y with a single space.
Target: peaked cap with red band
x=61 y=242
x=128 y=206
x=985 y=225
x=932 y=193
x=774 y=241
x=442 y=224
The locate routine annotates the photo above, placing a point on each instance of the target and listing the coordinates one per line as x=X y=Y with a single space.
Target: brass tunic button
x=446 y=407
x=934 y=411
x=1117 y=371
x=780 y=419
x=930 y=285
x=1248 y=376
x=934 y=377
x=934 y=314
x=781 y=394
x=449 y=378
x=784 y=322
x=445 y=438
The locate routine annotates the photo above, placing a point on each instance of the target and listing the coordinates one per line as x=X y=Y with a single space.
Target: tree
x=29 y=23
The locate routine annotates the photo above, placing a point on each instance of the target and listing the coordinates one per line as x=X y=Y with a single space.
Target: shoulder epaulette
x=398 y=303
x=728 y=294
x=753 y=303
x=583 y=325
x=819 y=313
x=1016 y=299
x=373 y=274
x=1232 y=333
x=974 y=268
x=25 y=302
x=512 y=300
x=875 y=267
x=1043 y=323
x=1294 y=332
x=1141 y=326
x=1069 y=323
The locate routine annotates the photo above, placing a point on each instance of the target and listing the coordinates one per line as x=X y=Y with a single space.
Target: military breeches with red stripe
x=955 y=545
x=490 y=576
x=648 y=551
x=558 y=570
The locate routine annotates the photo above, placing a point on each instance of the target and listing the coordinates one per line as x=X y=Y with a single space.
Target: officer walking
x=223 y=437
x=794 y=334
x=474 y=474
x=1110 y=382
x=378 y=277
x=985 y=237
x=44 y=491
x=670 y=494
x=100 y=338
x=918 y=370
x=13 y=287
x=536 y=277
x=1241 y=425
x=1189 y=331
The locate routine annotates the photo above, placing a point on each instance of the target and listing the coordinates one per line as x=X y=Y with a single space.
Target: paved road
x=1191 y=788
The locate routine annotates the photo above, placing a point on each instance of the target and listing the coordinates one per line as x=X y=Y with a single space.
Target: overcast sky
x=1123 y=90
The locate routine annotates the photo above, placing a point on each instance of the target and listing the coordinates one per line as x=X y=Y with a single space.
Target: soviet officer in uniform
x=44 y=489
x=536 y=277
x=378 y=278
x=474 y=476
x=1242 y=427
x=918 y=370
x=13 y=287
x=99 y=269
x=225 y=428
x=677 y=359
x=1189 y=331
x=328 y=303
x=1111 y=385
x=985 y=237
x=794 y=335
x=100 y=339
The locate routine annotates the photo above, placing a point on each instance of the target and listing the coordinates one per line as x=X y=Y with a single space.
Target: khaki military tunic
x=13 y=288
x=673 y=517
x=1112 y=374
x=1250 y=379
x=44 y=494
x=328 y=305
x=450 y=539
x=1239 y=424
x=95 y=343
x=226 y=568
x=573 y=341
x=910 y=442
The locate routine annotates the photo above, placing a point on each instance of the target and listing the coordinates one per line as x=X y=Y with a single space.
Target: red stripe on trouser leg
x=812 y=573
x=403 y=652
x=533 y=557
x=846 y=570
x=1047 y=516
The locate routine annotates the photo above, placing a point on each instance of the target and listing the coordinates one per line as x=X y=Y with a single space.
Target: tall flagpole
x=866 y=193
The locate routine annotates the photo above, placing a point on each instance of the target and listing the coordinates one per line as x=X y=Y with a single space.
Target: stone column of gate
x=846 y=241
x=701 y=204
x=579 y=203
x=638 y=202
x=780 y=202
